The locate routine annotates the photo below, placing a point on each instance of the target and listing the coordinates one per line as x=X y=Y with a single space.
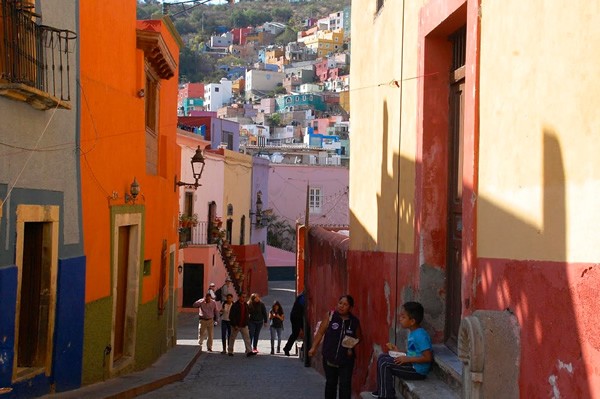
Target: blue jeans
x=225 y=333
x=254 y=328
x=276 y=331
x=338 y=375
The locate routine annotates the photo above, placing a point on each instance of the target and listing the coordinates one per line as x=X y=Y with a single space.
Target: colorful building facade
x=130 y=161
x=476 y=189
x=42 y=260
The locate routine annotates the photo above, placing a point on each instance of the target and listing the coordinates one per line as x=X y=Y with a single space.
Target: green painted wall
x=96 y=337
x=151 y=340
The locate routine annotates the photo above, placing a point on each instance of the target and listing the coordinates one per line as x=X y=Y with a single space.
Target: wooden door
x=455 y=185
x=33 y=310
x=121 y=292
x=212 y=215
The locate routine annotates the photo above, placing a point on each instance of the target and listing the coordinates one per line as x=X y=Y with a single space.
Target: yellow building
x=477 y=185
x=324 y=42
x=236 y=196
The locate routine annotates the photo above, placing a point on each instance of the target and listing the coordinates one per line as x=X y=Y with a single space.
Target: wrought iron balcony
x=34 y=58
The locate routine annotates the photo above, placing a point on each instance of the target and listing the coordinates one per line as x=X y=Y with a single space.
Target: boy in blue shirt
x=413 y=365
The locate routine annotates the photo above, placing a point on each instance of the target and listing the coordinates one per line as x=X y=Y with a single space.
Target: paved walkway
x=185 y=373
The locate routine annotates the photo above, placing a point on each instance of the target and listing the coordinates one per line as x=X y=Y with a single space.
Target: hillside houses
x=277 y=124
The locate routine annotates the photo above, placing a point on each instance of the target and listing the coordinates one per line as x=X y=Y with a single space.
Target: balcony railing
x=197 y=235
x=34 y=59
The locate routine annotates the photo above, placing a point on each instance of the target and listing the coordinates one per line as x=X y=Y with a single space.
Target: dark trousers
x=335 y=376
x=225 y=332
x=387 y=369
x=296 y=328
x=254 y=328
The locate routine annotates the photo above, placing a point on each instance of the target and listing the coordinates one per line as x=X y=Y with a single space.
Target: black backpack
x=219 y=294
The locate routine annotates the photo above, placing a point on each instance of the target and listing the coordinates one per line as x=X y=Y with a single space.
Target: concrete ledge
x=430 y=388
x=447 y=366
x=173 y=366
x=443 y=382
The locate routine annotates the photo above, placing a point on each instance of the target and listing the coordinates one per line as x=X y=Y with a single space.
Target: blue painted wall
x=68 y=331
x=8 y=299
x=68 y=334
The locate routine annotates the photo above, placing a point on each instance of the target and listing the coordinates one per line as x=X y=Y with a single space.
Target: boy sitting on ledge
x=413 y=365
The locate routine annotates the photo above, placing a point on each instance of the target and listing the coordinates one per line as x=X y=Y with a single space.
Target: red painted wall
x=551 y=301
x=256 y=278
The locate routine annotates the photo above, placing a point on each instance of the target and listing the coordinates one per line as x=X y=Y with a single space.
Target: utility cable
x=30 y=155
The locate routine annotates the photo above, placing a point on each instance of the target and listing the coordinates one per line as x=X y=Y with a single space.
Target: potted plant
x=186 y=221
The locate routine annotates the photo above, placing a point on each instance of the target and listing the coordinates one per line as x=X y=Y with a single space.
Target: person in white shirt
x=225 y=323
x=208 y=318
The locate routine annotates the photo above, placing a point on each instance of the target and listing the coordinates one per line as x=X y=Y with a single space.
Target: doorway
x=37 y=263
x=455 y=186
x=193 y=283
x=126 y=247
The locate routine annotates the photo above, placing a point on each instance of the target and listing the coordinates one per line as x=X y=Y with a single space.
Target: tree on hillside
x=288 y=35
x=282 y=14
x=232 y=60
x=281 y=234
x=274 y=120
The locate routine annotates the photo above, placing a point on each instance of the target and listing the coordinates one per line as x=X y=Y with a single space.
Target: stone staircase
x=443 y=382
x=234 y=269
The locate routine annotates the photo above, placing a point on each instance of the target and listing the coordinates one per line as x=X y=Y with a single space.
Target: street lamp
x=197 y=169
x=259 y=210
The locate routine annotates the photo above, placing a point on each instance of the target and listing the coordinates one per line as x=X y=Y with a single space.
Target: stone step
x=443 y=382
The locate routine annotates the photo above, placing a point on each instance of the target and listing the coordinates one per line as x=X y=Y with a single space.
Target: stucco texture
x=538 y=114
x=382 y=176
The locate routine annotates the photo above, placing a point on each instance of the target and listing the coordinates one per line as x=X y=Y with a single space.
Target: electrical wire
x=30 y=155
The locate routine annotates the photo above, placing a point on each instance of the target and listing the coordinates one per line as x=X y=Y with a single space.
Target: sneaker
x=287 y=352
x=255 y=350
x=375 y=394
x=250 y=354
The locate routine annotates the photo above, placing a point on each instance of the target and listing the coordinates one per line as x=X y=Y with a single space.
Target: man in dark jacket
x=297 y=319
x=238 y=317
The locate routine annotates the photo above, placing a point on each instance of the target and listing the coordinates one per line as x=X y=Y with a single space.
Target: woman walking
x=257 y=317
x=276 y=316
x=341 y=332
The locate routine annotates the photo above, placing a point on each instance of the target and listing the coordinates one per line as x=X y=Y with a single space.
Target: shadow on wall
x=540 y=292
x=555 y=312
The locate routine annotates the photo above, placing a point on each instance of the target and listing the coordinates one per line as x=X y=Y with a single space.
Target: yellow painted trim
x=133 y=287
x=47 y=214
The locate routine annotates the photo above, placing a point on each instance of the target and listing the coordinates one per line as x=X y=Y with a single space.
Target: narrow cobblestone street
x=263 y=376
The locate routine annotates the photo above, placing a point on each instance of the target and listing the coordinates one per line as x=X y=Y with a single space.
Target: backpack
x=219 y=294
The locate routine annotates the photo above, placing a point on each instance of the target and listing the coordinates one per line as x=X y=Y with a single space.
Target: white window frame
x=315 y=200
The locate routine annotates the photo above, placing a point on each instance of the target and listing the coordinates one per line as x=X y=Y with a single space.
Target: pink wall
x=287 y=193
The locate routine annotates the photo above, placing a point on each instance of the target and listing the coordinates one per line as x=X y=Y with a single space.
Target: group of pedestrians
x=243 y=317
x=339 y=331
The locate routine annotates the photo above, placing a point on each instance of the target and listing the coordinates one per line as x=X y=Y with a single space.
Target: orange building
x=129 y=161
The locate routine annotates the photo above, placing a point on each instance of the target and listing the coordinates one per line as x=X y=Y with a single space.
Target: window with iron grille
x=34 y=59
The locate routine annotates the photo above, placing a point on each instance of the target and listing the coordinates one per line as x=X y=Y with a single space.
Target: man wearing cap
x=227 y=289
x=211 y=291
x=208 y=318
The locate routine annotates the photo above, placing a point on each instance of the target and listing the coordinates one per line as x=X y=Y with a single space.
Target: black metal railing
x=33 y=54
